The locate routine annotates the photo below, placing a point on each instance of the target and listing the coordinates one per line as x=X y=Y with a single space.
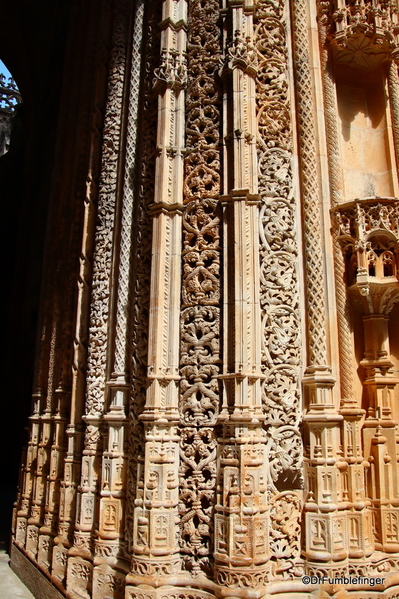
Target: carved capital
x=172 y=70
x=241 y=54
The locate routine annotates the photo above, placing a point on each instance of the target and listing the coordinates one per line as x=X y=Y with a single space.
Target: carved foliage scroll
x=102 y=264
x=198 y=477
x=200 y=318
x=285 y=533
x=279 y=252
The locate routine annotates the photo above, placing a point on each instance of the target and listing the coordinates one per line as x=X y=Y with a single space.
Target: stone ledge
x=33 y=578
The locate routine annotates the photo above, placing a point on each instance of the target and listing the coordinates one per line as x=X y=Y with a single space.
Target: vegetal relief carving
x=172 y=70
x=241 y=53
x=200 y=316
x=200 y=365
x=197 y=463
x=279 y=280
x=201 y=251
x=285 y=533
x=102 y=261
x=279 y=253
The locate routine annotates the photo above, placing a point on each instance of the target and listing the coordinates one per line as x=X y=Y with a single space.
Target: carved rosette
x=201 y=290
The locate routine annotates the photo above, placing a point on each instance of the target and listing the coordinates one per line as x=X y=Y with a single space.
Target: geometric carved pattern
x=313 y=249
x=336 y=194
x=142 y=261
x=200 y=317
x=279 y=249
x=122 y=328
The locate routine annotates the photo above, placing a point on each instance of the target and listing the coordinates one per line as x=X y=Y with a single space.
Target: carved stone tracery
x=201 y=286
x=142 y=269
x=278 y=250
x=362 y=32
x=187 y=469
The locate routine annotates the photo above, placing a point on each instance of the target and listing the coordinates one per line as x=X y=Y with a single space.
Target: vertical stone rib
x=354 y=471
x=279 y=285
x=393 y=85
x=314 y=267
x=323 y=477
x=79 y=573
x=44 y=438
x=111 y=542
x=26 y=508
x=141 y=258
x=74 y=431
x=336 y=190
x=242 y=554
x=344 y=332
x=102 y=260
x=123 y=310
x=155 y=545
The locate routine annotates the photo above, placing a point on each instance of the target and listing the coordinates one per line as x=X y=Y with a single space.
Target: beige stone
x=232 y=424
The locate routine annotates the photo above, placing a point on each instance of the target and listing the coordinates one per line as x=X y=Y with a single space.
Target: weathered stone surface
x=32 y=577
x=232 y=424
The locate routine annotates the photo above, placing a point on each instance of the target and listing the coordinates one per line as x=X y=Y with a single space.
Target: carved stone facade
x=216 y=404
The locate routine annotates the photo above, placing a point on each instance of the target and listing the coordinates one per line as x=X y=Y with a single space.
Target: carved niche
x=362 y=32
x=368 y=231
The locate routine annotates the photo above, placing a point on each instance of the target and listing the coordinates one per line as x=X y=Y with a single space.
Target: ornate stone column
x=201 y=323
x=101 y=327
x=111 y=559
x=280 y=301
x=325 y=520
x=242 y=520
x=352 y=469
x=155 y=542
x=70 y=474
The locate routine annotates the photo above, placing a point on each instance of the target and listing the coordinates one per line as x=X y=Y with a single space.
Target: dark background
x=52 y=51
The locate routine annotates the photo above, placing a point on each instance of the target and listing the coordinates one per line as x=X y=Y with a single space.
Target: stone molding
x=188 y=459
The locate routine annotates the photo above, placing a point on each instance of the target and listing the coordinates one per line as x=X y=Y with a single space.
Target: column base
x=36 y=581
